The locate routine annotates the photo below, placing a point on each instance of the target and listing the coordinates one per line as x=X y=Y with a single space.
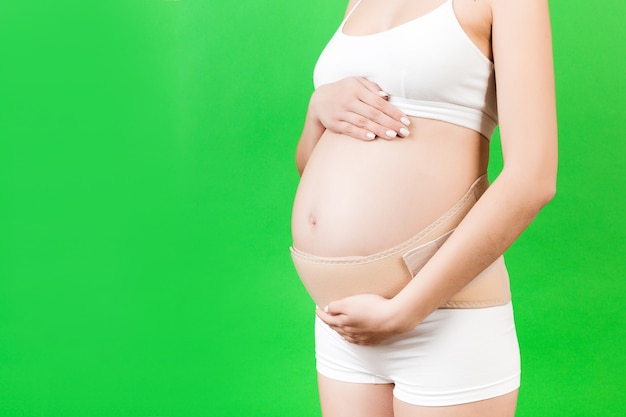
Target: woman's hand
x=359 y=108
x=365 y=319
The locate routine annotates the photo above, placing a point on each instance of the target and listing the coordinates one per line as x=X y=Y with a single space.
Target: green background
x=146 y=181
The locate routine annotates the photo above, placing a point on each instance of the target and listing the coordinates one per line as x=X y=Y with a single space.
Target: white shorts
x=455 y=356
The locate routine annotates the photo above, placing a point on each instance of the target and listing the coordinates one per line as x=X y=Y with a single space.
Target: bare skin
x=370 y=400
x=436 y=162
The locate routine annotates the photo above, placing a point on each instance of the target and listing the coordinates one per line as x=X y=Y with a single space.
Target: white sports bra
x=429 y=67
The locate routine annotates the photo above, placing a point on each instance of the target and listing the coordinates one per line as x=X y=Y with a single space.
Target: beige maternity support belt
x=387 y=272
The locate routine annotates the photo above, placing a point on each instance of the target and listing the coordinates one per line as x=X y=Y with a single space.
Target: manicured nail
x=370 y=135
x=405 y=120
x=326 y=309
x=383 y=94
x=390 y=133
x=404 y=132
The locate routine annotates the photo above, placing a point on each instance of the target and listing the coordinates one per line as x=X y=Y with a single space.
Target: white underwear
x=454 y=356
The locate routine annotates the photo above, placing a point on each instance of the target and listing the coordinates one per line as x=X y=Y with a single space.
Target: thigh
x=501 y=406
x=457 y=357
x=348 y=399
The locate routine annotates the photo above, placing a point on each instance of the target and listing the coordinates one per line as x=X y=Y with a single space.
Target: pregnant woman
x=397 y=235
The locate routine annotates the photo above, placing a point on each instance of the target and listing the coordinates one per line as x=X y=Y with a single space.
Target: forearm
x=493 y=224
x=527 y=117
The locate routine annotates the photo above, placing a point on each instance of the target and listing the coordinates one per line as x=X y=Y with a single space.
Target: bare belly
x=357 y=197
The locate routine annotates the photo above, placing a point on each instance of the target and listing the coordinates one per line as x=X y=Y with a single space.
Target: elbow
x=547 y=194
x=545 y=190
x=535 y=178
x=534 y=196
x=300 y=168
x=533 y=191
x=301 y=161
x=303 y=153
x=550 y=192
x=549 y=183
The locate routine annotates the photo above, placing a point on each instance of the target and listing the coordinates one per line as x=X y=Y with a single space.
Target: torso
x=377 y=16
x=357 y=197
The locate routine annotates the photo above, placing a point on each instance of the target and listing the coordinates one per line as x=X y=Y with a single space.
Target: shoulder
x=520 y=27
x=351 y=5
x=522 y=9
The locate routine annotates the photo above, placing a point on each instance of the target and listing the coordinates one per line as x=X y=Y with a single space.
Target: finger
x=373 y=87
x=377 y=98
x=351 y=340
x=371 y=120
x=357 y=340
x=336 y=308
x=354 y=131
x=333 y=321
x=382 y=105
x=383 y=114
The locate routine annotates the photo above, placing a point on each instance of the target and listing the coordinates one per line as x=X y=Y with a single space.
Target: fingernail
x=404 y=132
x=370 y=135
x=391 y=134
x=405 y=120
x=326 y=309
x=383 y=94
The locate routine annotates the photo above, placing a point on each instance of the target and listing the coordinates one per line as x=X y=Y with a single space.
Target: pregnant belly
x=358 y=198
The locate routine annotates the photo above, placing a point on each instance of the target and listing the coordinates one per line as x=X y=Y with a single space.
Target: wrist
x=405 y=318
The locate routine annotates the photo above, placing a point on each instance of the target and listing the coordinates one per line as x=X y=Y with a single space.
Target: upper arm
x=522 y=52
